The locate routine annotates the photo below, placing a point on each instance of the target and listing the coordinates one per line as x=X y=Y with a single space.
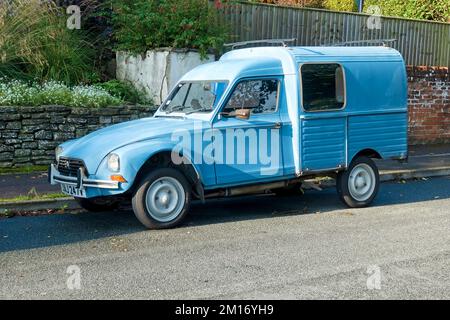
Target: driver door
x=251 y=147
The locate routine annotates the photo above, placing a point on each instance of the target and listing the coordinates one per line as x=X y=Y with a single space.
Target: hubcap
x=361 y=182
x=165 y=199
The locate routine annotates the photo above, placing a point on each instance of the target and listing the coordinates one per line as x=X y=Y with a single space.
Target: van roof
x=230 y=69
x=370 y=51
x=261 y=61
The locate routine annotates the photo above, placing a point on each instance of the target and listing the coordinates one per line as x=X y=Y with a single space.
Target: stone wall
x=429 y=105
x=29 y=135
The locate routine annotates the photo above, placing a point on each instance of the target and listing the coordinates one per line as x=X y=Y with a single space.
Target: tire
x=358 y=186
x=292 y=190
x=162 y=199
x=101 y=204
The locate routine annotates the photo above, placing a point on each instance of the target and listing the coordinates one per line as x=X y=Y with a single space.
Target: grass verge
x=27 y=169
x=49 y=196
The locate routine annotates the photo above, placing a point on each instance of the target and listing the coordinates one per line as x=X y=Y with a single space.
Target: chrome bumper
x=80 y=181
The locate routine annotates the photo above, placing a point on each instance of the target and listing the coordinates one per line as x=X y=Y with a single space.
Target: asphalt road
x=255 y=247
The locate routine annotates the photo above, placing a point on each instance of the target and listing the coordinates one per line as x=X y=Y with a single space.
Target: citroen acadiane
x=259 y=119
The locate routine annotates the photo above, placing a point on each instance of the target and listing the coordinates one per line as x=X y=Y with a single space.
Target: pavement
x=262 y=247
x=424 y=161
x=14 y=185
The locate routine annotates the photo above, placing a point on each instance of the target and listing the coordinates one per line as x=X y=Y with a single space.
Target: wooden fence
x=421 y=43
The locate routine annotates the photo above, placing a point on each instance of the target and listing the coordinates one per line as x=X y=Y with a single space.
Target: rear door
x=323 y=121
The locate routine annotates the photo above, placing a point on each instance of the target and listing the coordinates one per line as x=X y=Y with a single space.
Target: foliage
x=340 y=5
x=126 y=92
x=140 y=25
x=96 y=19
x=20 y=93
x=437 y=10
x=36 y=44
x=294 y=3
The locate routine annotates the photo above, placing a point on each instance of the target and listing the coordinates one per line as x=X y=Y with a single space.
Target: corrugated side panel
x=385 y=133
x=323 y=143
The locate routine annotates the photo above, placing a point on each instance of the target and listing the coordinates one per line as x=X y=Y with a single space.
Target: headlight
x=58 y=152
x=113 y=162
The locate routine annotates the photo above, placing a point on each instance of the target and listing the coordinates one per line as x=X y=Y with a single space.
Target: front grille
x=69 y=167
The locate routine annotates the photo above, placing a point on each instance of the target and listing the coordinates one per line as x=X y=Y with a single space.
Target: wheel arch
x=368 y=152
x=163 y=159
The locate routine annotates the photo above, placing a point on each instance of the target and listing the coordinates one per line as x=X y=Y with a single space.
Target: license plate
x=73 y=191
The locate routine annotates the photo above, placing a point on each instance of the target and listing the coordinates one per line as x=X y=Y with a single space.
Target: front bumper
x=80 y=181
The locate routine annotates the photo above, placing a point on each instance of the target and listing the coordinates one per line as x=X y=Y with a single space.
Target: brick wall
x=429 y=105
x=29 y=135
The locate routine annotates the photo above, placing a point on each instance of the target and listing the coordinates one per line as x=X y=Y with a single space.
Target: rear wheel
x=359 y=184
x=98 y=204
x=162 y=199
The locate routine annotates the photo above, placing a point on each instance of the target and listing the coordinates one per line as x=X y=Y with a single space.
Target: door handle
x=277 y=125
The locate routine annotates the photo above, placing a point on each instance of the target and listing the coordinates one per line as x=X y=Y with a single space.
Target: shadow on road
x=314 y=202
x=37 y=232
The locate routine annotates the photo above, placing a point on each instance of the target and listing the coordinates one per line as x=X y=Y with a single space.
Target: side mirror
x=243 y=114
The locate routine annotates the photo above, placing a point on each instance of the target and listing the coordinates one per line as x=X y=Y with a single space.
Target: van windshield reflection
x=192 y=97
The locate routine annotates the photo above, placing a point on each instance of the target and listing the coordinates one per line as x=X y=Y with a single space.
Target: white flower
x=16 y=92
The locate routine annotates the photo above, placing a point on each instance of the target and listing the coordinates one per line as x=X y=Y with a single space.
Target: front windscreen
x=192 y=97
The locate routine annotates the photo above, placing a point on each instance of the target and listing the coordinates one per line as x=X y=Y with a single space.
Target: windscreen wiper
x=175 y=108
x=199 y=110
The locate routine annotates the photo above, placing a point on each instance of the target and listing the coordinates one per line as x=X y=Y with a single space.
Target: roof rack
x=383 y=42
x=281 y=42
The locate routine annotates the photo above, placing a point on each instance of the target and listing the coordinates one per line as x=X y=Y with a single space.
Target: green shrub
x=126 y=92
x=20 y=93
x=36 y=44
x=140 y=25
x=437 y=10
x=293 y=3
x=340 y=5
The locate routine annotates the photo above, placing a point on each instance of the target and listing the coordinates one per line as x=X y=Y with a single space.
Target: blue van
x=259 y=119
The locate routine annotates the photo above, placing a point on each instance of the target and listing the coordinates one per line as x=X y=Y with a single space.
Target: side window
x=260 y=96
x=323 y=87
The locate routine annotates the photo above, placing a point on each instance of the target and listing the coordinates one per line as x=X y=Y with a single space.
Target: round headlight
x=58 y=152
x=113 y=162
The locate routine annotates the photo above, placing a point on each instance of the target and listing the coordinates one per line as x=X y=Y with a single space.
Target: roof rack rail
x=383 y=42
x=281 y=42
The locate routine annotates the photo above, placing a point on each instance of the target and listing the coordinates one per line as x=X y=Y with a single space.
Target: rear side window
x=323 y=87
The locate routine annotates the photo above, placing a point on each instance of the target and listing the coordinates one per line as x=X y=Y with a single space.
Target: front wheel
x=162 y=199
x=359 y=184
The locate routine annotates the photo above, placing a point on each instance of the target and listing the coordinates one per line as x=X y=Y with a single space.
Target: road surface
x=260 y=247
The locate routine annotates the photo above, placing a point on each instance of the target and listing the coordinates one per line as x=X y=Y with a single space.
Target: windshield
x=191 y=97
